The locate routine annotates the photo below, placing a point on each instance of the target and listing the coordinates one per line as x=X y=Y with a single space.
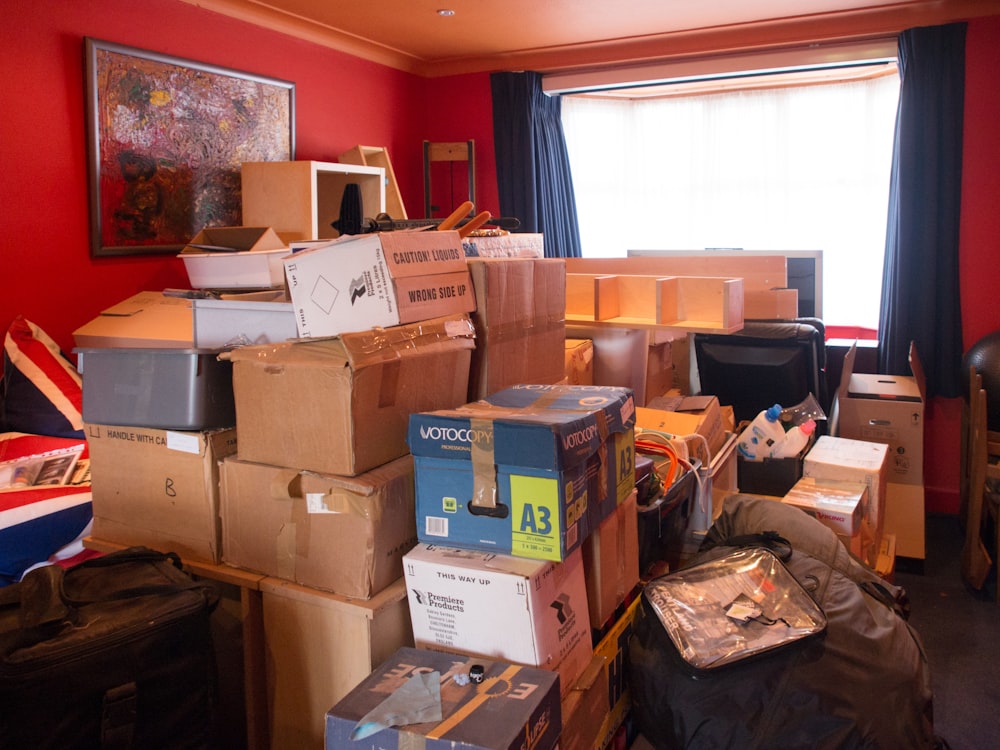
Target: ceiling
x=547 y=35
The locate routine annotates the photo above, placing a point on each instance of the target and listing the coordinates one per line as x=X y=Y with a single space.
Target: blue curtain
x=533 y=174
x=920 y=287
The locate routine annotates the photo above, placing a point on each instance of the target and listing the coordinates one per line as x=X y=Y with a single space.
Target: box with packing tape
x=158 y=488
x=443 y=701
x=342 y=405
x=528 y=473
x=335 y=533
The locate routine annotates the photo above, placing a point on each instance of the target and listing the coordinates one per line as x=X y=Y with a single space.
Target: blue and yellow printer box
x=529 y=471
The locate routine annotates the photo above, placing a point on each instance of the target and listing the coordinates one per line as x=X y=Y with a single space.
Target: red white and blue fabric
x=40 y=525
x=42 y=391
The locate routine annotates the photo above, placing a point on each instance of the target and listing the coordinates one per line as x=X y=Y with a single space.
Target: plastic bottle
x=795 y=440
x=756 y=441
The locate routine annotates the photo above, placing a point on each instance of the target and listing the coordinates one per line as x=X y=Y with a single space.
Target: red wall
x=49 y=277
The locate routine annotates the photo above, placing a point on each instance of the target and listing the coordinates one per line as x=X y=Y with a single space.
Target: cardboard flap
x=238 y=239
x=917 y=368
x=847 y=370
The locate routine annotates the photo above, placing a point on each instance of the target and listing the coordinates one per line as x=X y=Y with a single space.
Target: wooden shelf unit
x=684 y=303
x=765 y=278
x=300 y=199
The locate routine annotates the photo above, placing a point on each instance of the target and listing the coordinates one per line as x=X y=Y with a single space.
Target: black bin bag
x=853 y=674
x=115 y=652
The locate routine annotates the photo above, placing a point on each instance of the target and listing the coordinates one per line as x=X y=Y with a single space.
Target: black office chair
x=767 y=362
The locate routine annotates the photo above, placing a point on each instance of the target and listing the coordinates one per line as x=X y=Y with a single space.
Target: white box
x=377 y=281
x=223 y=323
x=527 y=611
x=838 y=505
x=254 y=264
x=849 y=460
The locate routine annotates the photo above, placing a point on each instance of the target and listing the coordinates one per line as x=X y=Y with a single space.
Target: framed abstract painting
x=166 y=137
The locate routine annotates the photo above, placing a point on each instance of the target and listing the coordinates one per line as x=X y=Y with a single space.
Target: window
x=759 y=163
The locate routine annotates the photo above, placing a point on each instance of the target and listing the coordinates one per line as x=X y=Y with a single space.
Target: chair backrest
x=767 y=362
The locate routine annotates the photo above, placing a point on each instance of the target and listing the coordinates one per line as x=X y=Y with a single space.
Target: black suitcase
x=115 y=652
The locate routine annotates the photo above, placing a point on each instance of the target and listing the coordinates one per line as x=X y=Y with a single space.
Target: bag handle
x=770 y=540
x=139 y=555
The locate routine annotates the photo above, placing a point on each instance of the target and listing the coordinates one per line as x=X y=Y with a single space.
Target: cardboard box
x=659 y=370
x=513 y=708
x=145 y=320
x=246 y=258
x=174 y=389
x=905 y=518
x=695 y=419
x=520 y=323
x=579 y=362
x=611 y=562
x=158 y=488
x=528 y=473
x=885 y=564
x=483 y=604
x=341 y=534
x=371 y=280
x=242 y=320
x=886 y=409
x=836 y=504
x=341 y=406
x=318 y=647
x=846 y=460
x=584 y=708
x=511 y=245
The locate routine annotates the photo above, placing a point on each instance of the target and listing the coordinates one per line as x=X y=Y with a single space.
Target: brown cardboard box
x=579 y=362
x=611 y=562
x=342 y=534
x=683 y=416
x=514 y=707
x=520 y=323
x=318 y=646
x=585 y=707
x=905 y=518
x=659 y=370
x=886 y=409
x=342 y=406
x=158 y=488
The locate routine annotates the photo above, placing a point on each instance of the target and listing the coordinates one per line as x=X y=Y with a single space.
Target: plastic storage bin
x=176 y=389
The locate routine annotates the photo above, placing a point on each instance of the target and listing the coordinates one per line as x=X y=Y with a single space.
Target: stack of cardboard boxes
x=317 y=498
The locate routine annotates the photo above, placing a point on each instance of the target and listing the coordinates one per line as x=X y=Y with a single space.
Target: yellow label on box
x=536 y=522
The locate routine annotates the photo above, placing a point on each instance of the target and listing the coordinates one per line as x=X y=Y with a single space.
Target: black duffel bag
x=115 y=652
x=863 y=682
